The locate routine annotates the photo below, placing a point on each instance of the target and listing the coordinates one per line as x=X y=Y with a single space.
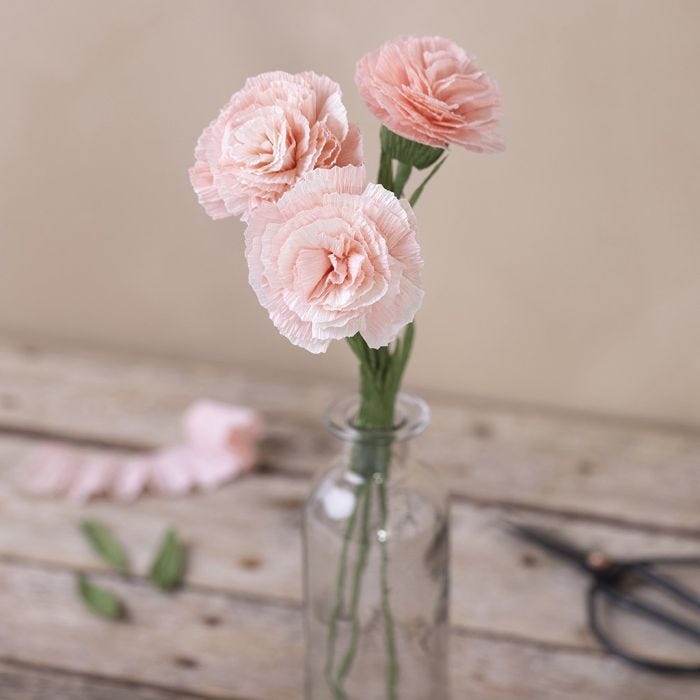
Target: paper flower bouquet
x=333 y=257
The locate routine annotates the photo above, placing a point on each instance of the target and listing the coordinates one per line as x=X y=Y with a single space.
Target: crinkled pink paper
x=220 y=442
x=333 y=257
x=272 y=132
x=431 y=91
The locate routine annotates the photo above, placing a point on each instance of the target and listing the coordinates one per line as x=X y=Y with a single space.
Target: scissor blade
x=653 y=612
x=670 y=585
x=550 y=542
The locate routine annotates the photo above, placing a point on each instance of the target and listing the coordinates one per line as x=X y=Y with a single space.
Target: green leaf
x=101 y=601
x=419 y=190
x=104 y=543
x=409 y=152
x=168 y=568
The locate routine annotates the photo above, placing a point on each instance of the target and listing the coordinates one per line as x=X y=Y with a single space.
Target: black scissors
x=614 y=579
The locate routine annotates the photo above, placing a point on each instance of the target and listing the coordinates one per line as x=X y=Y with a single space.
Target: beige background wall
x=564 y=271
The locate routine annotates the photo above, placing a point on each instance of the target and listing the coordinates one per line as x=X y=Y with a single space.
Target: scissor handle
x=645 y=609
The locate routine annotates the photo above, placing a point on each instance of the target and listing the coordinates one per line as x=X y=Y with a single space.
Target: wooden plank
x=520 y=629
x=26 y=682
x=171 y=641
x=246 y=539
x=489 y=452
x=500 y=670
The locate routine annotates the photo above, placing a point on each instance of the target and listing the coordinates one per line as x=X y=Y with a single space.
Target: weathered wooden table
x=234 y=631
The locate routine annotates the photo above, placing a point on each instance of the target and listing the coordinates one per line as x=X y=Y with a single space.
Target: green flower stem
x=419 y=190
x=365 y=541
x=386 y=171
x=381 y=372
x=403 y=172
x=340 y=591
x=389 y=627
x=380 y=377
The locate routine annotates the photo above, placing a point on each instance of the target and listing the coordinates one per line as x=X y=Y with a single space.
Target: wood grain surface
x=234 y=631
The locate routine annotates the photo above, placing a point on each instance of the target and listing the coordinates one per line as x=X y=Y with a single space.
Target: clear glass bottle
x=376 y=549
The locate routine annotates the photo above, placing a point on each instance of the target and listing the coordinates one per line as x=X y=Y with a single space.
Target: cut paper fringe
x=220 y=443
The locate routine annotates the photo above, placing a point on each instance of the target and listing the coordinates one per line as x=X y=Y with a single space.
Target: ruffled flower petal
x=273 y=131
x=334 y=257
x=429 y=90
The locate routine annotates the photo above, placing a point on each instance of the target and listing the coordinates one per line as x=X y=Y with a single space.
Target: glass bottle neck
x=377 y=458
x=411 y=417
x=377 y=452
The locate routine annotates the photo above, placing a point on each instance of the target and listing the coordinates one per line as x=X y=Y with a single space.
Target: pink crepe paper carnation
x=334 y=257
x=275 y=129
x=429 y=90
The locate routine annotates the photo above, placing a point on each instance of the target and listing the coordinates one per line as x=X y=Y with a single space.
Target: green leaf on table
x=409 y=152
x=99 y=600
x=168 y=568
x=104 y=543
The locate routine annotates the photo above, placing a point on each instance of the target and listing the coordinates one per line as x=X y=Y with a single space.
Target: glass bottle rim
x=411 y=418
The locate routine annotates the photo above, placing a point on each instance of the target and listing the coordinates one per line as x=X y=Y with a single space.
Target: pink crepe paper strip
x=220 y=442
x=50 y=470
x=210 y=426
